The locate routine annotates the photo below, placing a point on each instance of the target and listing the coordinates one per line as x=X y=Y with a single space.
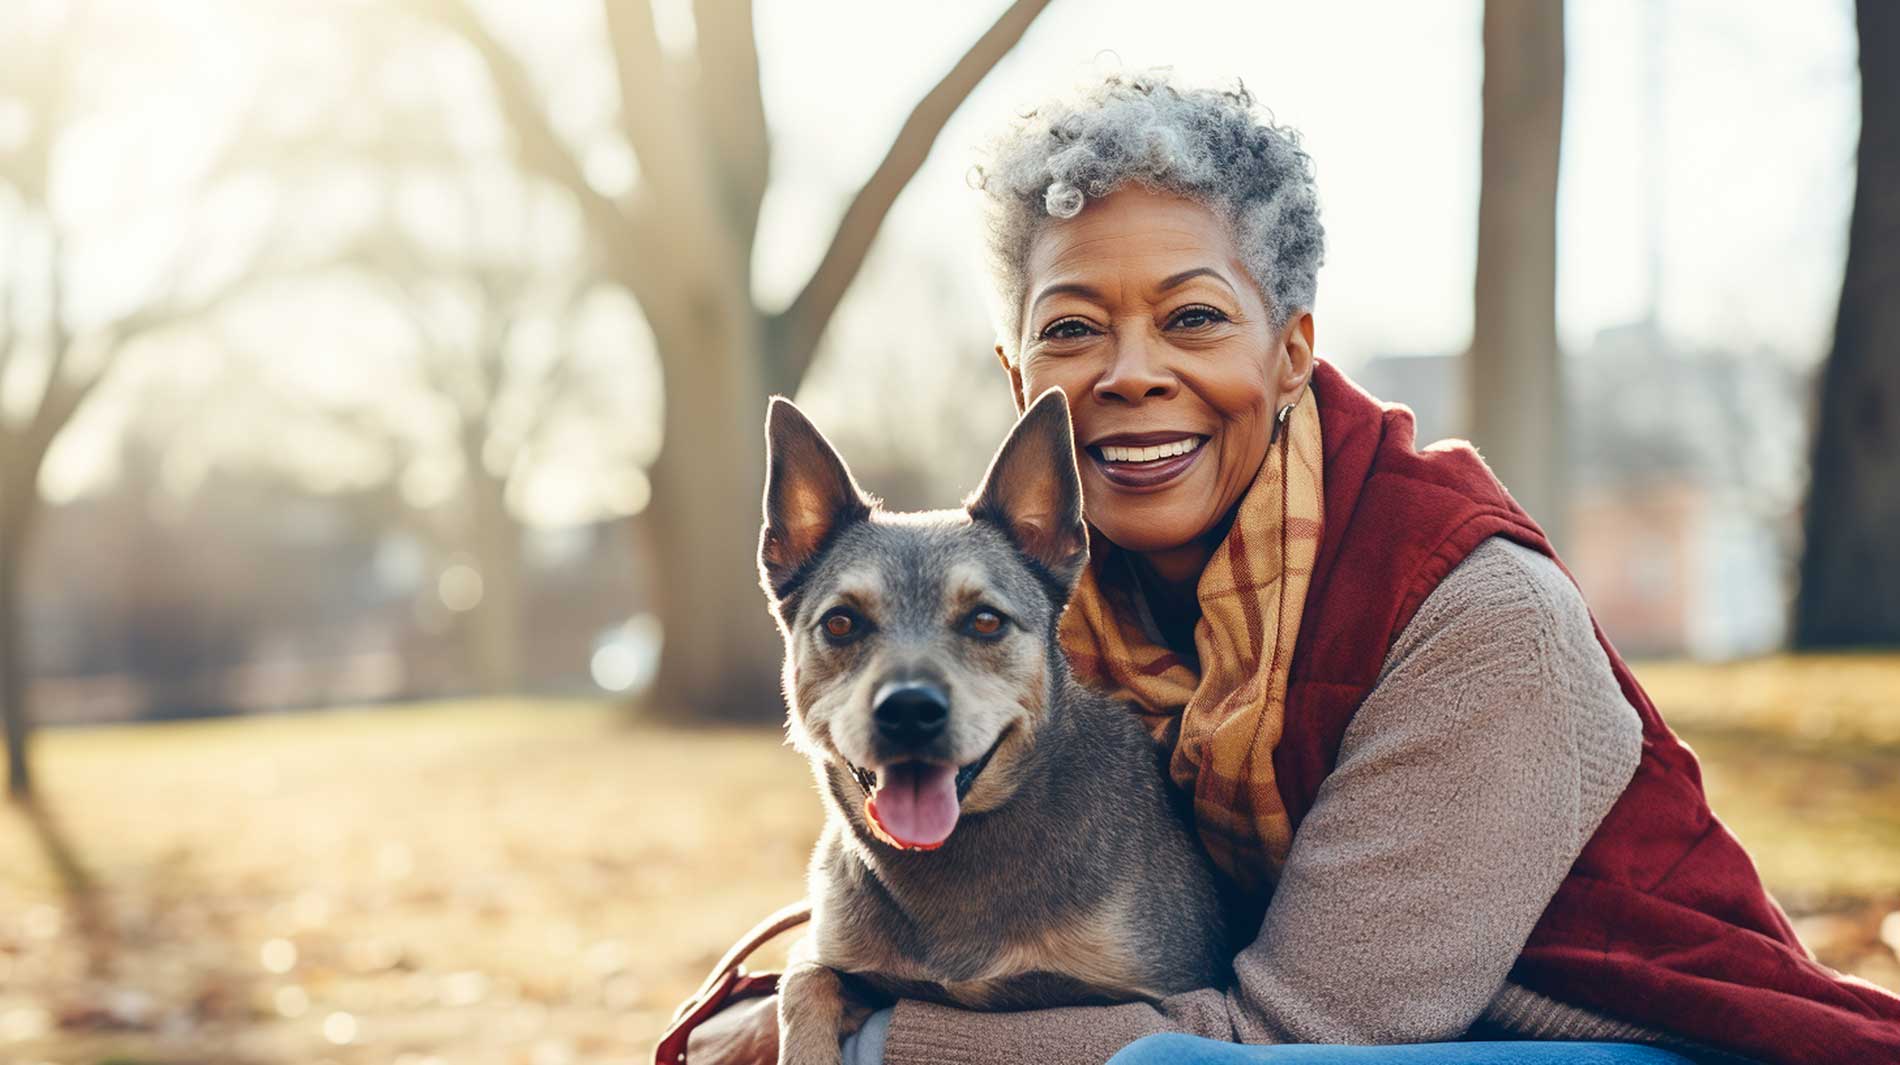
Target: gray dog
x=999 y=836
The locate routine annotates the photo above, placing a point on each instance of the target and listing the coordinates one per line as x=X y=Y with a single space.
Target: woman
x=1403 y=737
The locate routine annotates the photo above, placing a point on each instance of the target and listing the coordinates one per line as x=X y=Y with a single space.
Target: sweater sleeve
x=1467 y=783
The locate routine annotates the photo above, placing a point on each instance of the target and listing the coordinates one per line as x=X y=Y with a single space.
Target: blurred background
x=384 y=672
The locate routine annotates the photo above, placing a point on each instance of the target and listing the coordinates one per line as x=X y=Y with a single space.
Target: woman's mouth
x=1145 y=462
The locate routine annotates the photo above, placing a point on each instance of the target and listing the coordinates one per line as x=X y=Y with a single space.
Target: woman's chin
x=1146 y=521
x=1148 y=535
x=1150 y=548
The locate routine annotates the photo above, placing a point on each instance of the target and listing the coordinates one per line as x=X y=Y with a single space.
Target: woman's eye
x=1066 y=329
x=984 y=622
x=841 y=626
x=1198 y=317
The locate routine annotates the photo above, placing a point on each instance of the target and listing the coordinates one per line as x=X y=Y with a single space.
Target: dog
x=998 y=836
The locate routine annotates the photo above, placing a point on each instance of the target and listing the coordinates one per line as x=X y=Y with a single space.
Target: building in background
x=1685 y=472
x=252 y=594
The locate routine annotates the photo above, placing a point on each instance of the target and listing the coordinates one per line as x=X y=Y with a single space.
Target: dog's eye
x=841 y=626
x=984 y=622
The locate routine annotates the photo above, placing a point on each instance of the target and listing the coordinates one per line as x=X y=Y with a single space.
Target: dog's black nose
x=911 y=713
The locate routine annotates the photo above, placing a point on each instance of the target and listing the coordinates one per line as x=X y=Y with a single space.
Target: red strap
x=728 y=983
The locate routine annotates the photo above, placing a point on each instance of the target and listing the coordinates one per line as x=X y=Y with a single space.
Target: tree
x=682 y=244
x=1850 y=566
x=70 y=363
x=491 y=343
x=53 y=359
x=1515 y=368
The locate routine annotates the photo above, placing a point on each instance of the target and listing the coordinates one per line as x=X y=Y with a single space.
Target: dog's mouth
x=915 y=805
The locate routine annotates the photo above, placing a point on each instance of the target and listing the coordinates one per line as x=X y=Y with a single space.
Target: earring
x=1279 y=422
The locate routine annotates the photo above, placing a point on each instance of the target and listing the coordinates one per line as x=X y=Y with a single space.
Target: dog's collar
x=867 y=779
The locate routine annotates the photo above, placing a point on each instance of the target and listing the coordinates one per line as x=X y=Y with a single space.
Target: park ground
x=537 y=883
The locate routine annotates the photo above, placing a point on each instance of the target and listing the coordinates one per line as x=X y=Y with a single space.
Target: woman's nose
x=1135 y=372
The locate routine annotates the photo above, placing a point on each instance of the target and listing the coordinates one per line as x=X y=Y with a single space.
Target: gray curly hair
x=1208 y=145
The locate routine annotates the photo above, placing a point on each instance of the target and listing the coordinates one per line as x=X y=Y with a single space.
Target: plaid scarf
x=1221 y=716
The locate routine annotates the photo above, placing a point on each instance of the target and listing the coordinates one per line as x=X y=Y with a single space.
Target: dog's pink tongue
x=915 y=804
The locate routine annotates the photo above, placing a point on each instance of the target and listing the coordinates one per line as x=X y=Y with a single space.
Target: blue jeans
x=1172 y=1049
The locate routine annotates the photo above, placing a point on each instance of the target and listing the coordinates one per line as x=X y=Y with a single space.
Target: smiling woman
x=1147 y=307
x=1423 y=772
x=1400 y=731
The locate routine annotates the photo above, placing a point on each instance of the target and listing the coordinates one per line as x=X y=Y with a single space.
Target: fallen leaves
x=539 y=884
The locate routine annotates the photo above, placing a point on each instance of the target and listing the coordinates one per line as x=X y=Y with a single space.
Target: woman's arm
x=1466 y=785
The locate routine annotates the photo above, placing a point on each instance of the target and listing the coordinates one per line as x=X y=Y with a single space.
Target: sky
x=1731 y=155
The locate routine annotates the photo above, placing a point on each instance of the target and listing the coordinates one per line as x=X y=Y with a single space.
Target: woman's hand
x=742 y=1034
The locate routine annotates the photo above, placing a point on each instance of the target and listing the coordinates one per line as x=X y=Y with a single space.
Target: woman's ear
x=1297 y=370
x=1015 y=379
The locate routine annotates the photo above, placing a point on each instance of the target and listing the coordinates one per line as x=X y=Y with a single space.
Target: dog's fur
x=1070 y=877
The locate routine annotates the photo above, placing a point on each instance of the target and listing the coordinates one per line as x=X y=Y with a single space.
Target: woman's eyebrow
x=1168 y=284
x=1060 y=288
x=1175 y=281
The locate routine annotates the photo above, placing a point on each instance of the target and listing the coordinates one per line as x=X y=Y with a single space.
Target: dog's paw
x=811 y=1016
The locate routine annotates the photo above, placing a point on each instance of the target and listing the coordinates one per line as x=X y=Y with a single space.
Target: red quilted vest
x=1663 y=920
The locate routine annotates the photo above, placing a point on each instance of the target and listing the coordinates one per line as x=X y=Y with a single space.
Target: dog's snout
x=911 y=712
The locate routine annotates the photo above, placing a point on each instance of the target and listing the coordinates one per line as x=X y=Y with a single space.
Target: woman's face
x=1140 y=311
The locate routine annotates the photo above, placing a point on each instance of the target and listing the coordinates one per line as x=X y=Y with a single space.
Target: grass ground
x=538 y=883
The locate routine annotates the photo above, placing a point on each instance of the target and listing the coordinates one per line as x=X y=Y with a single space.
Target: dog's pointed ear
x=1034 y=492
x=809 y=496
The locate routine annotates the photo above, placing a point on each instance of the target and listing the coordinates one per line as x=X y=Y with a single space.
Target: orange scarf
x=1222 y=722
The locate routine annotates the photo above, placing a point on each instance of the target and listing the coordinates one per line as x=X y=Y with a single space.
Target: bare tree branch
x=63 y=393
x=556 y=379
x=731 y=105
x=678 y=159
x=491 y=337
x=796 y=329
x=38 y=74
x=67 y=387
x=59 y=396
x=542 y=150
x=648 y=114
x=58 y=335
x=64 y=396
x=432 y=348
x=353 y=421
x=402 y=267
x=6 y=317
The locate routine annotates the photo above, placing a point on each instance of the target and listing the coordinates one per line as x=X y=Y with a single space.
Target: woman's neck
x=1175 y=571
x=1170 y=581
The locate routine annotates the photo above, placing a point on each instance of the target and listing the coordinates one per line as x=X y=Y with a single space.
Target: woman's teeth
x=1150 y=454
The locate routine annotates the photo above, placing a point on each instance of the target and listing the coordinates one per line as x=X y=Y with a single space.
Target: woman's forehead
x=1133 y=237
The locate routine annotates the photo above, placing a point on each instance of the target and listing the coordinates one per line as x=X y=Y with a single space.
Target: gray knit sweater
x=1466 y=785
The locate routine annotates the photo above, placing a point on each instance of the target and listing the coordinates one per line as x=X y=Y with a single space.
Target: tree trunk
x=705 y=154
x=495 y=625
x=1515 y=369
x=1850 y=567
x=720 y=660
x=18 y=510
